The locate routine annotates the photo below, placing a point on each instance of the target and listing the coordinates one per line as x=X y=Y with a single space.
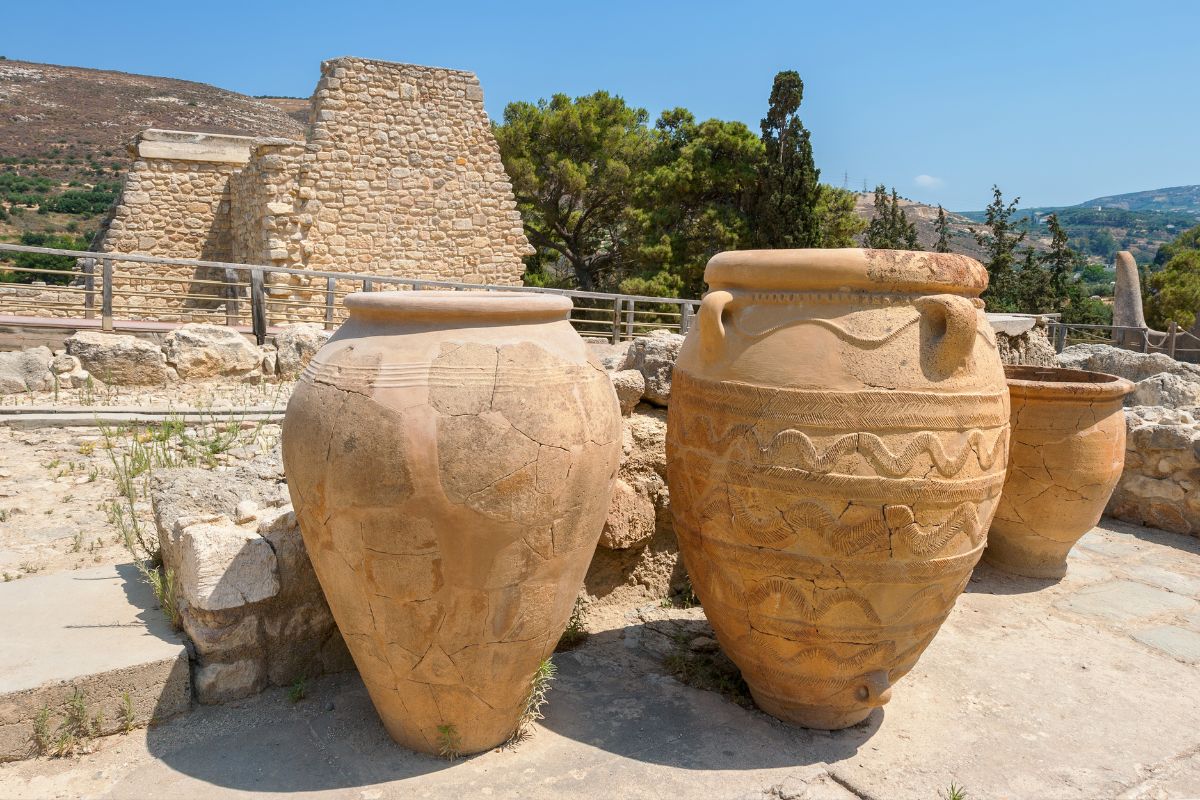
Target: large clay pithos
x=1067 y=453
x=450 y=457
x=836 y=444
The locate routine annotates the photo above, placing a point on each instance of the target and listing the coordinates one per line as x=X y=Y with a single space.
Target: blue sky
x=1056 y=101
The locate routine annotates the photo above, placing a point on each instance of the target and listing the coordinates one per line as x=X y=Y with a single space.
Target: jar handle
x=712 y=329
x=948 y=324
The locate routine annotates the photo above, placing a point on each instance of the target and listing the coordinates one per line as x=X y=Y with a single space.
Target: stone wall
x=175 y=203
x=400 y=176
x=406 y=178
x=1160 y=486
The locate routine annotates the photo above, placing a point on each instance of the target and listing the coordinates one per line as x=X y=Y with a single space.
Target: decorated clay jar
x=450 y=457
x=1067 y=453
x=836 y=444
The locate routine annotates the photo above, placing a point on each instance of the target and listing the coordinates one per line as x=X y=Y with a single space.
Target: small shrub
x=128 y=714
x=538 y=686
x=684 y=598
x=955 y=792
x=576 y=631
x=41 y=731
x=449 y=742
x=712 y=672
x=298 y=691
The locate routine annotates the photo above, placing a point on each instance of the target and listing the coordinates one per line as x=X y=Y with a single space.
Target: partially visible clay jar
x=1066 y=456
x=451 y=457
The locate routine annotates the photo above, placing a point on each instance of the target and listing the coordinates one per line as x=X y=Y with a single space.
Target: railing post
x=616 y=321
x=330 y=284
x=367 y=284
x=258 y=306
x=1060 y=336
x=629 y=319
x=232 y=307
x=1145 y=340
x=1172 y=332
x=89 y=288
x=106 y=294
x=685 y=318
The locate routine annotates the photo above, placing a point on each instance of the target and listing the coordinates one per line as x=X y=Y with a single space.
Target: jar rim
x=1065 y=384
x=471 y=305
x=836 y=269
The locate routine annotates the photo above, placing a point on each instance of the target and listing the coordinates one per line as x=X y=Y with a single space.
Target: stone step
x=97 y=631
x=26 y=419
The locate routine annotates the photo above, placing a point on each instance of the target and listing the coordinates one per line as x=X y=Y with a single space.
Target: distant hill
x=925 y=217
x=63 y=132
x=1173 y=199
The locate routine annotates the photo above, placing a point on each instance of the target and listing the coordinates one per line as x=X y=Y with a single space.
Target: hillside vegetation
x=63 y=136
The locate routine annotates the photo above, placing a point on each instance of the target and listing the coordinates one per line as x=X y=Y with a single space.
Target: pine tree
x=889 y=228
x=788 y=190
x=942 y=227
x=999 y=242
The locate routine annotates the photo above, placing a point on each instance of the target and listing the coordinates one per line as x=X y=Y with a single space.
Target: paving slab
x=1126 y=601
x=95 y=630
x=1018 y=696
x=1177 y=642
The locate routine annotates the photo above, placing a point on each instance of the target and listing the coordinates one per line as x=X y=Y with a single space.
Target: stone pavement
x=1084 y=689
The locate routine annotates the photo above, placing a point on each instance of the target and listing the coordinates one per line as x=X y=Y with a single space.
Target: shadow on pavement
x=639 y=712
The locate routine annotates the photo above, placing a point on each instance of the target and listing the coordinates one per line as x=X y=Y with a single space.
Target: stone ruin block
x=250 y=602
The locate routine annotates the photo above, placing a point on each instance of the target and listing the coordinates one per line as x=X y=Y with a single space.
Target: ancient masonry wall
x=400 y=176
x=175 y=203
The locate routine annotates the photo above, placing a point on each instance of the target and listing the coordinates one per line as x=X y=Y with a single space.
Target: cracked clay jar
x=1068 y=450
x=836 y=444
x=450 y=457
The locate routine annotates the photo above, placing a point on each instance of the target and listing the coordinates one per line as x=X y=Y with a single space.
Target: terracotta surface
x=1067 y=452
x=451 y=457
x=837 y=438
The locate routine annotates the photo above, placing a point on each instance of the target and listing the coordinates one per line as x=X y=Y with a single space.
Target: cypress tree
x=890 y=228
x=942 y=227
x=788 y=187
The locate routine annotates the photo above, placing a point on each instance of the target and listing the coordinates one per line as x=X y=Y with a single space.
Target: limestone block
x=1166 y=389
x=64 y=363
x=630 y=518
x=199 y=350
x=223 y=566
x=118 y=359
x=296 y=344
x=26 y=370
x=630 y=385
x=1124 y=363
x=654 y=356
x=220 y=683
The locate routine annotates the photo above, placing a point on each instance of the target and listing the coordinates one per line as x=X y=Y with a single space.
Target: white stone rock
x=199 y=350
x=296 y=344
x=246 y=511
x=26 y=371
x=223 y=566
x=118 y=359
x=630 y=385
x=1165 y=389
x=654 y=356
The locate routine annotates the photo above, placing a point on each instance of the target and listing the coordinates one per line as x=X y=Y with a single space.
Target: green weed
x=576 y=630
x=449 y=742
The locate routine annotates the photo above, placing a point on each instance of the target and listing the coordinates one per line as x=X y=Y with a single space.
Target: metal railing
x=255 y=296
x=1174 y=342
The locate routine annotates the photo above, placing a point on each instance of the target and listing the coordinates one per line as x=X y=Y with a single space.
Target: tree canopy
x=785 y=211
x=610 y=203
x=573 y=165
x=889 y=228
x=1174 y=291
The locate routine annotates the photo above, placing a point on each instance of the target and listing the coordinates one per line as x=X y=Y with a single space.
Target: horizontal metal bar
x=189 y=262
